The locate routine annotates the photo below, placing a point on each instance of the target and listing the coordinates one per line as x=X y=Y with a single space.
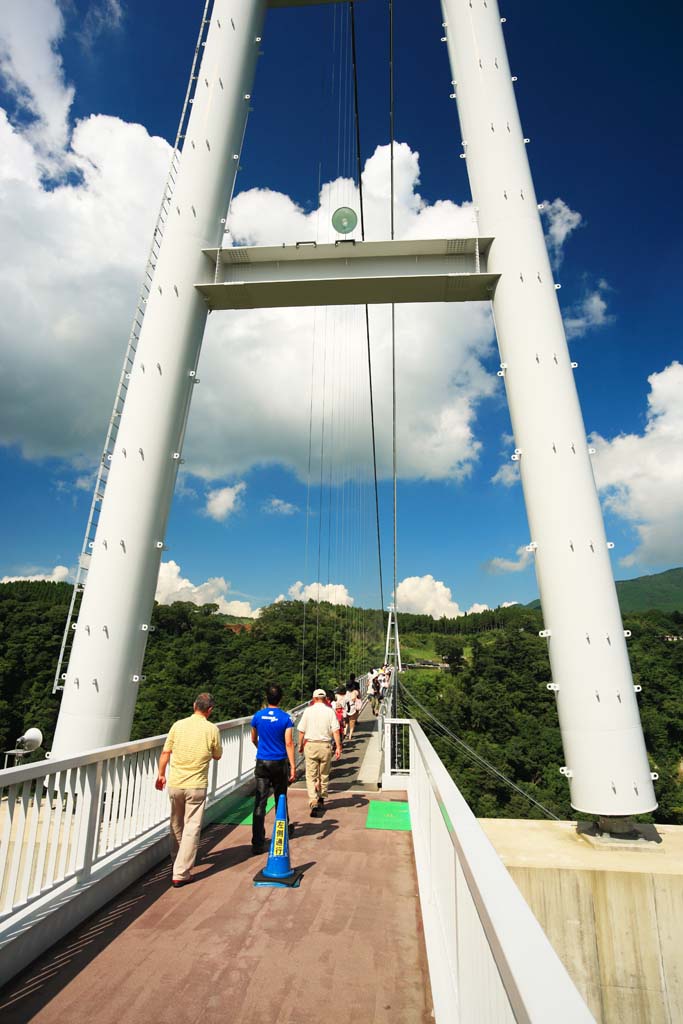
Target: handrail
x=22 y=773
x=66 y=821
x=10 y=776
x=473 y=913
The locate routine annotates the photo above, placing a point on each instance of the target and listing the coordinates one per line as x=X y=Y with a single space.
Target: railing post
x=214 y=779
x=92 y=797
x=240 y=755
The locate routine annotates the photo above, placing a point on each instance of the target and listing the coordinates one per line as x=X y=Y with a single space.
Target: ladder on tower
x=129 y=359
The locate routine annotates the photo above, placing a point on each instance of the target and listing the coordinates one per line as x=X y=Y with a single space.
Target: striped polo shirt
x=193 y=742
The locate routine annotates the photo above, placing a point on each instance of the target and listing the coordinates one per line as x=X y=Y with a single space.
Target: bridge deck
x=348 y=942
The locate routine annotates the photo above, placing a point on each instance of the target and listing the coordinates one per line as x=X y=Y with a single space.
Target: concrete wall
x=615 y=917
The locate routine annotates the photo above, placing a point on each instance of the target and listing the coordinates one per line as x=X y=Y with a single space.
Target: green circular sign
x=344 y=220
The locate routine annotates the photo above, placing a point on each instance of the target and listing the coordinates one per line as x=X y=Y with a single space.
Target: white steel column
x=606 y=760
x=102 y=678
x=392 y=650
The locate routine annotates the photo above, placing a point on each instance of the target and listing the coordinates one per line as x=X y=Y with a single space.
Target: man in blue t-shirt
x=271 y=734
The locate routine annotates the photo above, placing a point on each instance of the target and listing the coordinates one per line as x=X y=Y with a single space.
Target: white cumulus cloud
x=497 y=566
x=32 y=73
x=60 y=574
x=71 y=262
x=174 y=587
x=335 y=593
x=589 y=313
x=102 y=16
x=561 y=221
x=223 y=501
x=640 y=475
x=279 y=507
x=507 y=474
x=423 y=595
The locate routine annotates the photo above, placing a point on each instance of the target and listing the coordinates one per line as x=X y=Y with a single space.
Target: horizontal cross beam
x=348 y=272
x=304 y=3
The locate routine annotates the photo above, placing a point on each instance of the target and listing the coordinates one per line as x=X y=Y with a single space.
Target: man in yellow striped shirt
x=193 y=742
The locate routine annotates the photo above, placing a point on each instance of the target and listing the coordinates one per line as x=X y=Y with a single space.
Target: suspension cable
x=308 y=500
x=393 y=309
x=359 y=177
x=332 y=522
x=473 y=754
x=391 y=111
x=357 y=118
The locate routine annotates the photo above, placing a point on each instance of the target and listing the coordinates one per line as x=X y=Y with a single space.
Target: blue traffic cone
x=278 y=872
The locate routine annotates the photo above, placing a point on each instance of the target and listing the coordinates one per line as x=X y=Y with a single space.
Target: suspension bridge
x=433 y=924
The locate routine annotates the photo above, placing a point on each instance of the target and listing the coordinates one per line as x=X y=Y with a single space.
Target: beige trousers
x=187 y=810
x=318 y=755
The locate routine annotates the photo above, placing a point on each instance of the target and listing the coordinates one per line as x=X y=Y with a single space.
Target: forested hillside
x=662 y=591
x=493 y=695
x=495 y=698
x=190 y=649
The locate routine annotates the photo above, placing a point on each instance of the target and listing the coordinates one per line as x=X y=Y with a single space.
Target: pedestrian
x=329 y=697
x=339 y=708
x=317 y=726
x=190 y=745
x=373 y=694
x=344 y=724
x=272 y=735
x=353 y=706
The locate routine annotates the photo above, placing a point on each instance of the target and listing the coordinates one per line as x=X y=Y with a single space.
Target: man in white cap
x=318 y=725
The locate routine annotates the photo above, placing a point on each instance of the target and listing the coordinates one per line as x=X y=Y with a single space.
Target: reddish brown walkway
x=346 y=946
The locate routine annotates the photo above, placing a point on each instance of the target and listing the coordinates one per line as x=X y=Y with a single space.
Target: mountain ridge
x=661 y=591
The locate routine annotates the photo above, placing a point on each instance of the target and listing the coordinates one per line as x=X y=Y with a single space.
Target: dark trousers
x=267 y=774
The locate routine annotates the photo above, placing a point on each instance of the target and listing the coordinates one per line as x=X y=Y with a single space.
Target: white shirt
x=318 y=722
x=351 y=703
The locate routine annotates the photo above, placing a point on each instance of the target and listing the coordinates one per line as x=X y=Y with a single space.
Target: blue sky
x=90 y=90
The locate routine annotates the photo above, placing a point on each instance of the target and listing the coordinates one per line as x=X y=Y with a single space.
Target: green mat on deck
x=240 y=812
x=392 y=815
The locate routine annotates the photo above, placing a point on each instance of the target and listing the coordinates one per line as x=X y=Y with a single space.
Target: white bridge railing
x=75 y=831
x=61 y=819
x=489 y=958
x=67 y=824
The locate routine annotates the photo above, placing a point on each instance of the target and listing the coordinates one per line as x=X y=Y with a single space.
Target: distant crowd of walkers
x=378 y=684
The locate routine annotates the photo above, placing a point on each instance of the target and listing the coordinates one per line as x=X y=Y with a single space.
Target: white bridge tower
x=606 y=761
x=392 y=648
x=101 y=682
